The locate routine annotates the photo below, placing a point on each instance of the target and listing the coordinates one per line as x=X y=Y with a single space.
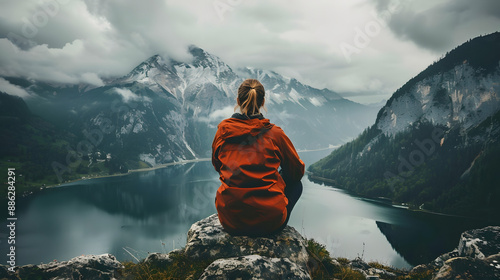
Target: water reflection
x=345 y=224
x=178 y=194
x=142 y=212
x=426 y=236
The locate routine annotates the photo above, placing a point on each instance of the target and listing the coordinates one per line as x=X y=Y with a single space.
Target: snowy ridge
x=280 y=89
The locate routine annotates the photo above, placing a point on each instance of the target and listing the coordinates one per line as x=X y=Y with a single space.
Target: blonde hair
x=251 y=95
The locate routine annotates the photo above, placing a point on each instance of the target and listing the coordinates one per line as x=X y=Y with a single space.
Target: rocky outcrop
x=83 y=267
x=279 y=256
x=480 y=243
x=476 y=257
x=215 y=254
x=470 y=268
x=207 y=239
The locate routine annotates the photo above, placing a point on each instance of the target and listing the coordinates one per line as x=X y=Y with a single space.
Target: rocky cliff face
x=211 y=253
x=457 y=97
x=460 y=90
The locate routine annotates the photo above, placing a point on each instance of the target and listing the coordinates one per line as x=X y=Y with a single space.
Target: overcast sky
x=363 y=49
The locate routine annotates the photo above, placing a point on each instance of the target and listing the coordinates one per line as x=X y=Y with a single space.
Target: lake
x=132 y=215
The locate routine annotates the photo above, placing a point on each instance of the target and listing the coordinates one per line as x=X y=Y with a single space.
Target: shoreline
x=163 y=166
x=327 y=182
x=318 y=150
x=160 y=166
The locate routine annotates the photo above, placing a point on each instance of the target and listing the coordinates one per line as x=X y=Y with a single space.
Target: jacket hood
x=237 y=127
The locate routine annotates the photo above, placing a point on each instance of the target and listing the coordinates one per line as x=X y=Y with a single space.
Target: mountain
x=29 y=144
x=435 y=144
x=166 y=110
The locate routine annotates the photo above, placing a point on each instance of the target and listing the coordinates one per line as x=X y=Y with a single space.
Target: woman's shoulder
x=276 y=130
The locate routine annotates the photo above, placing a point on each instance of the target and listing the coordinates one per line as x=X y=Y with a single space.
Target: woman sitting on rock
x=255 y=198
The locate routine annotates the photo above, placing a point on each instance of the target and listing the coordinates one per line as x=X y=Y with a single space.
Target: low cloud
x=88 y=41
x=67 y=65
x=127 y=95
x=218 y=115
x=11 y=89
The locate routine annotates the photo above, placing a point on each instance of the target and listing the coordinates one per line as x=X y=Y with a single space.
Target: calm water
x=132 y=215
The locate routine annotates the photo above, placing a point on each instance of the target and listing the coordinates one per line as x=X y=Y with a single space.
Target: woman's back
x=248 y=152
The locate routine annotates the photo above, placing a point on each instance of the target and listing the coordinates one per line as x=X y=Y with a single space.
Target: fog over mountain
x=364 y=50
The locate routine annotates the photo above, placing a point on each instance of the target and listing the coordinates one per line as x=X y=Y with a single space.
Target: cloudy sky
x=363 y=49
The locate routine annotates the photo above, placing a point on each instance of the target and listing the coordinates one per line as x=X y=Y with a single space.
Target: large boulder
x=82 y=267
x=207 y=239
x=480 y=243
x=476 y=257
x=254 y=267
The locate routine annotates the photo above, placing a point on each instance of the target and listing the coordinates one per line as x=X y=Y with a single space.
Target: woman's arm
x=291 y=164
x=215 y=151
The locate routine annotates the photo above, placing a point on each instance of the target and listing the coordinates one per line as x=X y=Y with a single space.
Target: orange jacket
x=247 y=154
